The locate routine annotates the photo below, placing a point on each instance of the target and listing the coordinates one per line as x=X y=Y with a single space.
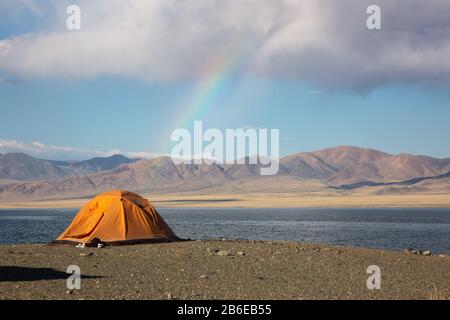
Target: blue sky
x=105 y=114
x=126 y=111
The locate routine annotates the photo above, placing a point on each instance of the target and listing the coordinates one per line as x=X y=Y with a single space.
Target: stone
x=413 y=251
x=240 y=253
x=223 y=253
x=86 y=254
x=426 y=253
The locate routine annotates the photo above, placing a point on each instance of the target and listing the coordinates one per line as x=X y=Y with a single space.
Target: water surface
x=393 y=229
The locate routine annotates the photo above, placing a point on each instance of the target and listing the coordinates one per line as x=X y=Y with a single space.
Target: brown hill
x=156 y=175
x=93 y=165
x=22 y=167
x=345 y=165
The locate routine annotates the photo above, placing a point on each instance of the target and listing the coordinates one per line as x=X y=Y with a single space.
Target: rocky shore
x=220 y=270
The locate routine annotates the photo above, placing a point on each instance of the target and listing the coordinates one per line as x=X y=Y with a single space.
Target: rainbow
x=217 y=75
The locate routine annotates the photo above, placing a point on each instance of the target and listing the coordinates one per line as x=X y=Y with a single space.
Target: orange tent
x=117 y=217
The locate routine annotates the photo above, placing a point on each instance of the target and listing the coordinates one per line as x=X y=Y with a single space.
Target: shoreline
x=270 y=241
x=211 y=269
x=259 y=201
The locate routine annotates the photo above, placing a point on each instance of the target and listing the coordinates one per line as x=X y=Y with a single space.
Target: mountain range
x=22 y=167
x=343 y=168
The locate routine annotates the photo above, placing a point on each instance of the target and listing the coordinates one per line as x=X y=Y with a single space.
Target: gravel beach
x=220 y=270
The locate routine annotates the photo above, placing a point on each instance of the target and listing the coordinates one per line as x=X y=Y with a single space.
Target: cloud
x=52 y=152
x=323 y=42
x=144 y=155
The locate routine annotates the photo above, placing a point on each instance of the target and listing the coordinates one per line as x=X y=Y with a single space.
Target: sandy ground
x=278 y=200
x=198 y=270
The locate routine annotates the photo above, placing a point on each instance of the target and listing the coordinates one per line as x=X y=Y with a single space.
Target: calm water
x=394 y=229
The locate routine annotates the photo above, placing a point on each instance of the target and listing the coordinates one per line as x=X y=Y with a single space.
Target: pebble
x=219 y=252
x=418 y=252
x=223 y=253
x=240 y=253
x=86 y=254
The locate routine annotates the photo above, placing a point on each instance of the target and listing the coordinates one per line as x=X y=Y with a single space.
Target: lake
x=392 y=229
